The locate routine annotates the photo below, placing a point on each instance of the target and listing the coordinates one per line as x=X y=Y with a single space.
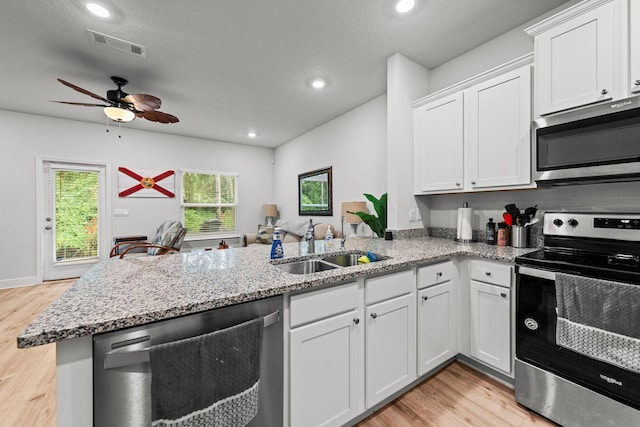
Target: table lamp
x=270 y=211
x=352 y=219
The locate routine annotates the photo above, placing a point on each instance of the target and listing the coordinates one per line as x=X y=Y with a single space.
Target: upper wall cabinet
x=475 y=136
x=583 y=55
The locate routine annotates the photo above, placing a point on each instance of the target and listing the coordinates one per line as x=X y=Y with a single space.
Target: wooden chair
x=168 y=239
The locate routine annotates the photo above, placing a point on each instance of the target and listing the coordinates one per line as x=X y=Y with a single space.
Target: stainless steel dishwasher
x=122 y=375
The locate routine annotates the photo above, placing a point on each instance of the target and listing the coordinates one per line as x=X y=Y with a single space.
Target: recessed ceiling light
x=98 y=10
x=318 y=83
x=404 y=6
x=252 y=134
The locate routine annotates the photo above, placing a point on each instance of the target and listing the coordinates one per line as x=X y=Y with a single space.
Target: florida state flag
x=146 y=183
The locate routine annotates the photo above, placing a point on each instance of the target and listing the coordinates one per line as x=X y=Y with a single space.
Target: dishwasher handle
x=120 y=359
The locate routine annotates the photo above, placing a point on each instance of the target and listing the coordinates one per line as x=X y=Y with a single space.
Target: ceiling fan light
x=118 y=114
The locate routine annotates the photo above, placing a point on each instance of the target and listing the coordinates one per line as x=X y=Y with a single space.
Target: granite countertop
x=120 y=293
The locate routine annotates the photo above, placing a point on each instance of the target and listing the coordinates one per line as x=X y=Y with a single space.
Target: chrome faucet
x=310 y=238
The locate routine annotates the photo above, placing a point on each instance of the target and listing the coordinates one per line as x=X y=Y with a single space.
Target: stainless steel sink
x=343 y=260
x=306 y=267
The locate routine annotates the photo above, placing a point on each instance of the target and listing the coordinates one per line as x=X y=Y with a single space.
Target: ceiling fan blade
x=158 y=116
x=143 y=102
x=81 y=103
x=86 y=92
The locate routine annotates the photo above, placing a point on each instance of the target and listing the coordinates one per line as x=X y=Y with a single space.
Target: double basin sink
x=325 y=263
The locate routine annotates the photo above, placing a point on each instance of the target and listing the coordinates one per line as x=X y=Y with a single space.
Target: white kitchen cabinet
x=478 y=137
x=437 y=326
x=325 y=357
x=490 y=314
x=438 y=145
x=498 y=131
x=585 y=54
x=390 y=334
x=437 y=311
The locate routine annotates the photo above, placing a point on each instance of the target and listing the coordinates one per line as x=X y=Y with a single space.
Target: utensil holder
x=519 y=236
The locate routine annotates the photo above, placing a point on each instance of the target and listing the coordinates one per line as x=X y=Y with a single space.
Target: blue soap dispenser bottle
x=276 y=246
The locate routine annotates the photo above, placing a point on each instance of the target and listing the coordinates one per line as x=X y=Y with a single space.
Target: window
x=209 y=202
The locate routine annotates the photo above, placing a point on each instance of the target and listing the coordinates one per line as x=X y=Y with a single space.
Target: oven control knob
x=531 y=324
x=573 y=222
x=558 y=222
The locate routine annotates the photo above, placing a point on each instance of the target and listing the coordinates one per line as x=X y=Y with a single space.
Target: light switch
x=121 y=212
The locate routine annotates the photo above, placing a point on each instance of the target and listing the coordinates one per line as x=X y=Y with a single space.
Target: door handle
x=118 y=358
x=48 y=227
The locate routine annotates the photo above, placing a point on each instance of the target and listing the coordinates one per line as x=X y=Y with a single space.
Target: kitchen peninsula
x=118 y=294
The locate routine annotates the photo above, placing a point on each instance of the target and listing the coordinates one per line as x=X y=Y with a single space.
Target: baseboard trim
x=17 y=282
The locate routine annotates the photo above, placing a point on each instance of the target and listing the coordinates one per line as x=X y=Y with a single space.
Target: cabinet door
x=390 y=347
x=437 y=326
x=498 y=131
x=324 y=360
x=634 y=46
x=575 y=61
x=438 y=145
x=491 y=325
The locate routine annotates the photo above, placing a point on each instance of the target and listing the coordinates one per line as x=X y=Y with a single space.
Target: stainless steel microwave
x=598 y=143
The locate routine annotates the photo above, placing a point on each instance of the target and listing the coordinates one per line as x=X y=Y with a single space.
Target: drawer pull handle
x=356 y=320
x=457 y=184
x=604 y=91
x=374 y=315
x=439 y=274
x=424 y=298
x=503 y=295
x=488 y=273
x=637 y=83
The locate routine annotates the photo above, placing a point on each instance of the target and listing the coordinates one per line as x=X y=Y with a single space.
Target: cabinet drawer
x=491 y=272
x=310 y=306
x=430 y=275
x=388 y=286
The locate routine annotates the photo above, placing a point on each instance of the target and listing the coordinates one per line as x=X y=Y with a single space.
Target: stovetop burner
x=601 y=245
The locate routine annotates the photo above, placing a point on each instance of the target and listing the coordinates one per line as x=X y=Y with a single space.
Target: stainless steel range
x=578 y=321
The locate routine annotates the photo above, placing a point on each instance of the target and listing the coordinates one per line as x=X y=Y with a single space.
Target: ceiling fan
x=121 y=107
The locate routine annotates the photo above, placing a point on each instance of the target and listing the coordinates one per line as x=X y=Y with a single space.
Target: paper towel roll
x=465 y=230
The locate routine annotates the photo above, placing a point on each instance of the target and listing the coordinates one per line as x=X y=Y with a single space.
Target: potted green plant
x=378 y=224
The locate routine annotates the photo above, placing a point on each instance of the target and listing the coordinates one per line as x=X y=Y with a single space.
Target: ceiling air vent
x=116 y=43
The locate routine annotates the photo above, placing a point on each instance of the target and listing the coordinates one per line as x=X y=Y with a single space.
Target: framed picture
x=314 y=193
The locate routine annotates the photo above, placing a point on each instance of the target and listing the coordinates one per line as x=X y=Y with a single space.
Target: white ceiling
x=227 y=67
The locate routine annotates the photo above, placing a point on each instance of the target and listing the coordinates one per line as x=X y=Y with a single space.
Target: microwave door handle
x=534 y=272
x=120 y=359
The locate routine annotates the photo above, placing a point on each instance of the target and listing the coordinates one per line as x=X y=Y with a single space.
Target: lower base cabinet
x=323 y=365
x=390 y=347
x=491 y=325
x=437 y=326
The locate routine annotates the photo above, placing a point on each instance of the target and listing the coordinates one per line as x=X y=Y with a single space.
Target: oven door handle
x=534 y=272
x=119 y=358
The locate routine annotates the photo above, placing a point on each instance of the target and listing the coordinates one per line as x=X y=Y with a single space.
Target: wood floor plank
x=27 y=376
x=457 y=396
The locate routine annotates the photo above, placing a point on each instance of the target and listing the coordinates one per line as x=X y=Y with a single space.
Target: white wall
x=406 y=81
x=24 y=137
x=354 y=145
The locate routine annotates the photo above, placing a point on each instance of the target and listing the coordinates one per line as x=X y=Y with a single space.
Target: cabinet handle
x=457 y=184
x=473 y=183
x=439 y=274
x=356 y=320
x=374 y=315
x=604 y=91
x=637 y=83
x=424 y=298
x=503 y=295
x=488 y=273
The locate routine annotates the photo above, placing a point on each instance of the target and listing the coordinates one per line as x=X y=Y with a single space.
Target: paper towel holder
x=457 y=239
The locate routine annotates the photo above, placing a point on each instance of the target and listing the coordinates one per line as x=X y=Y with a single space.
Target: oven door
x=536 y=342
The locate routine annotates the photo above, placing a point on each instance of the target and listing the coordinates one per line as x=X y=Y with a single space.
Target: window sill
x=230 y=235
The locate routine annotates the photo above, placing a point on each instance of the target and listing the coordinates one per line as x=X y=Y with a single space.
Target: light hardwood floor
x=455 y=396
